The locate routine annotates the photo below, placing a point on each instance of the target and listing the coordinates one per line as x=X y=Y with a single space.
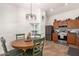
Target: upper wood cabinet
x=63 y=23
x=56 y=24
x=71 y=24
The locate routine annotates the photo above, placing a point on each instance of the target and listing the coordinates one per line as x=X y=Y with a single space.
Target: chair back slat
x=4 y=45
x=20 y=36
x=38 y=35
x=38 y=46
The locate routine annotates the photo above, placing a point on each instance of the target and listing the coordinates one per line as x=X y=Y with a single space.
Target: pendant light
x=30 y=16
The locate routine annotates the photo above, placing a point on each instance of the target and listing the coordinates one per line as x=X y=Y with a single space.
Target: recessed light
x=66 y=4
x=51 y=10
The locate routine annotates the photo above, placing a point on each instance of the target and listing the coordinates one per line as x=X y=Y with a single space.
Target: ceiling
x=57 y=7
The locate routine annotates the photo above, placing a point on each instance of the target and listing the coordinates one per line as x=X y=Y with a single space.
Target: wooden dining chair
x=20 y=36
x=38 y=47
x=4 y=45
x=6 y=52
x=38 y=35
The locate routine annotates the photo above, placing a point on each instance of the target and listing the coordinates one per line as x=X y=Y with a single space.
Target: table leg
x=24 y=52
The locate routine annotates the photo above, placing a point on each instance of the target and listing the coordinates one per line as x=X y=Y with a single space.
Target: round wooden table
x=23 y=44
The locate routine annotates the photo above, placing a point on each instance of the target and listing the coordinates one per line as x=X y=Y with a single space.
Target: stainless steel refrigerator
x=48 y=32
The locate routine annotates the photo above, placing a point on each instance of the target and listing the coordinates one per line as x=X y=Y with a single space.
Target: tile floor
x=55 y=49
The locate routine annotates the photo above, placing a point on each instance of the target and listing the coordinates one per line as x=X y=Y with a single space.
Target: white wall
x=13 y=21
x=43 y=23
x=62 y=16
x=7 y=23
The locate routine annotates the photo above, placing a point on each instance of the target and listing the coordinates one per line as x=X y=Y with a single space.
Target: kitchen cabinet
x=55 y=37
x=71 y=38
x=63 y=23
x=56 y=24
x=71 y=24
x=77 y=23
x=77 y=39
x=77 y=42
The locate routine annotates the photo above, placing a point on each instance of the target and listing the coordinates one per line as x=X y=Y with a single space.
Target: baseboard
x=2 y=54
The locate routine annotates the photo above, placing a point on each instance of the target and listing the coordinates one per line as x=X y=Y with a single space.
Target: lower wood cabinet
x=72 y=24
x=71 y=38
x=77 y=23
x=77 y=41
x=55 y=37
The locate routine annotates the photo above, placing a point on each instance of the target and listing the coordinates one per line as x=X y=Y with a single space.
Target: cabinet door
x=63 y=23
x=55 y=37
x=77 y=21
x=56 y=24
x=71 y=38
x=71 y=24
x=77 y=41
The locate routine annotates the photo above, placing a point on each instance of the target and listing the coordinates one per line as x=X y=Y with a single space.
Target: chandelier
x=30 y=15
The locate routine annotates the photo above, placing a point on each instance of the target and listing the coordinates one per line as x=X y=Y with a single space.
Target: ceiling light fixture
x=30 y=15
x=66 y=4
x=51 y=10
